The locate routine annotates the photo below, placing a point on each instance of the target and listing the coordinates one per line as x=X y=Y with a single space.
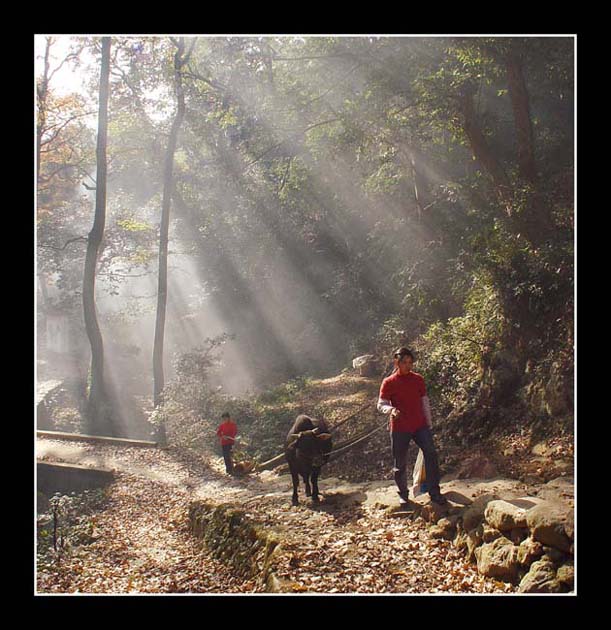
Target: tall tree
x=538 y=222
x=181 y=57
x=97 y=400
x=42 y=90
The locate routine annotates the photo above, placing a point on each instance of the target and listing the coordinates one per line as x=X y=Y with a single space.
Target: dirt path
x=343 y=545
x=142 y=545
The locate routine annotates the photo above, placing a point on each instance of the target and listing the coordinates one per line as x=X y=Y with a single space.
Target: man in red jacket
x=226 y=432
x=403 y=396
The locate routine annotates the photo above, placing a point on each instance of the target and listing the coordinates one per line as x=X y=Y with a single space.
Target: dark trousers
x=399 y=444
x=227 y=457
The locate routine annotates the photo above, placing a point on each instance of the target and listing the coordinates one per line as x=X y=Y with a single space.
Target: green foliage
x=131 y=225
x=283 y=393
x=197 y=364
x=451 y=353
x=296 y=198
x=192 y=407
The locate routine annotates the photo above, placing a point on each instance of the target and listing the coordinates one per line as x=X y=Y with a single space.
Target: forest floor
x=140 y=544
x=143 y=544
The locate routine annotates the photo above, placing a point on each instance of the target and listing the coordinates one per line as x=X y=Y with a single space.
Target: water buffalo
x=307 y=446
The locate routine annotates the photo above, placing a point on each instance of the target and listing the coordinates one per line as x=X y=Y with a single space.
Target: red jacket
x=405 y=393
x=228 y=429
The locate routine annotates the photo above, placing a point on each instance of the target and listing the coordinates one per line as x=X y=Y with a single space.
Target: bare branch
x=262 y=155
x=309 y=57
x=46 y=141
x=128 y=82
x=336 y=84
x=285 y=176
x=319 y=124
x=211 y=82
x=67 y=58
x=112 y=274
x=45 y=178
x=299 y=133
x=71 y=240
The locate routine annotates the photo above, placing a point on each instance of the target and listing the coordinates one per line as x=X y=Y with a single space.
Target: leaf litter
x=144 y=544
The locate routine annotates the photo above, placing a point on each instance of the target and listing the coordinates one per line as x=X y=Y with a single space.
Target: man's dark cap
x=226 y=415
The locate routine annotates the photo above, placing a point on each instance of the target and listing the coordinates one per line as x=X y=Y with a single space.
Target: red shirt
x=228 y=429
x=405 y=393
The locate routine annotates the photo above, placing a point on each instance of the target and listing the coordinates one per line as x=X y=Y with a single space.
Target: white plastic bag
x=419 y=477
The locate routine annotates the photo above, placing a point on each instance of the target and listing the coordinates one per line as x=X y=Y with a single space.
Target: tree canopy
x=329 y=195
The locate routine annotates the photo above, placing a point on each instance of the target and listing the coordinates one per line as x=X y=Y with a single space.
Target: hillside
x=519 y=450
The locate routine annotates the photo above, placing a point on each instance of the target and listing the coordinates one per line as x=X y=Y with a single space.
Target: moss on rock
x=236 y=540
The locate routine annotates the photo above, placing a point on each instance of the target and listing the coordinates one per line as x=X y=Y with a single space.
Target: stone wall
x=527 y=541
x=237 y=541
x=56 y=477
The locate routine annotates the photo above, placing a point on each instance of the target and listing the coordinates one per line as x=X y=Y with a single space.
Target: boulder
x=498 y=559
x=433 y=513
x=566 y=575
x=569 y=527
x=366 y=365
x=529 y=550
x=541 y=578
x=555 y=555
x=558 y=489
x=541 y=448
x=557 y=399
x=550 y=394
x=551 y=523
x=445 y=528
x=489 y=533
x=504 y=515
x=501 y=375
x=474 y=540
x=518 y=535
x=474 y=514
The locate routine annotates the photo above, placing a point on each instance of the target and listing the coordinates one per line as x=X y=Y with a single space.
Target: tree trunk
x=518 y=95
x=417 y=189
x=482 y=151
x=96 y=403
x=162 y=285
x=41 y=93
x=535 y=220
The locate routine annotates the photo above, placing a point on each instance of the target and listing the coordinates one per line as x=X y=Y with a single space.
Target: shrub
x=66 y=521
x=450 y=355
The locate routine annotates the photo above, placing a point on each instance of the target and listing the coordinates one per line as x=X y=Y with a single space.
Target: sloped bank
x=238 y=541
x=527 y=540
x=514 y=533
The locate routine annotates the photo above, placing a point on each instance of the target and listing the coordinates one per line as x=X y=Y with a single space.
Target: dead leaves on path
x=366 y=553
x=143 y=544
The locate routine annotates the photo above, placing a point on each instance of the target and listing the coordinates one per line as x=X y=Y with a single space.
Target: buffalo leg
x=315 y=474
x=308 y=488
x=295 y=477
